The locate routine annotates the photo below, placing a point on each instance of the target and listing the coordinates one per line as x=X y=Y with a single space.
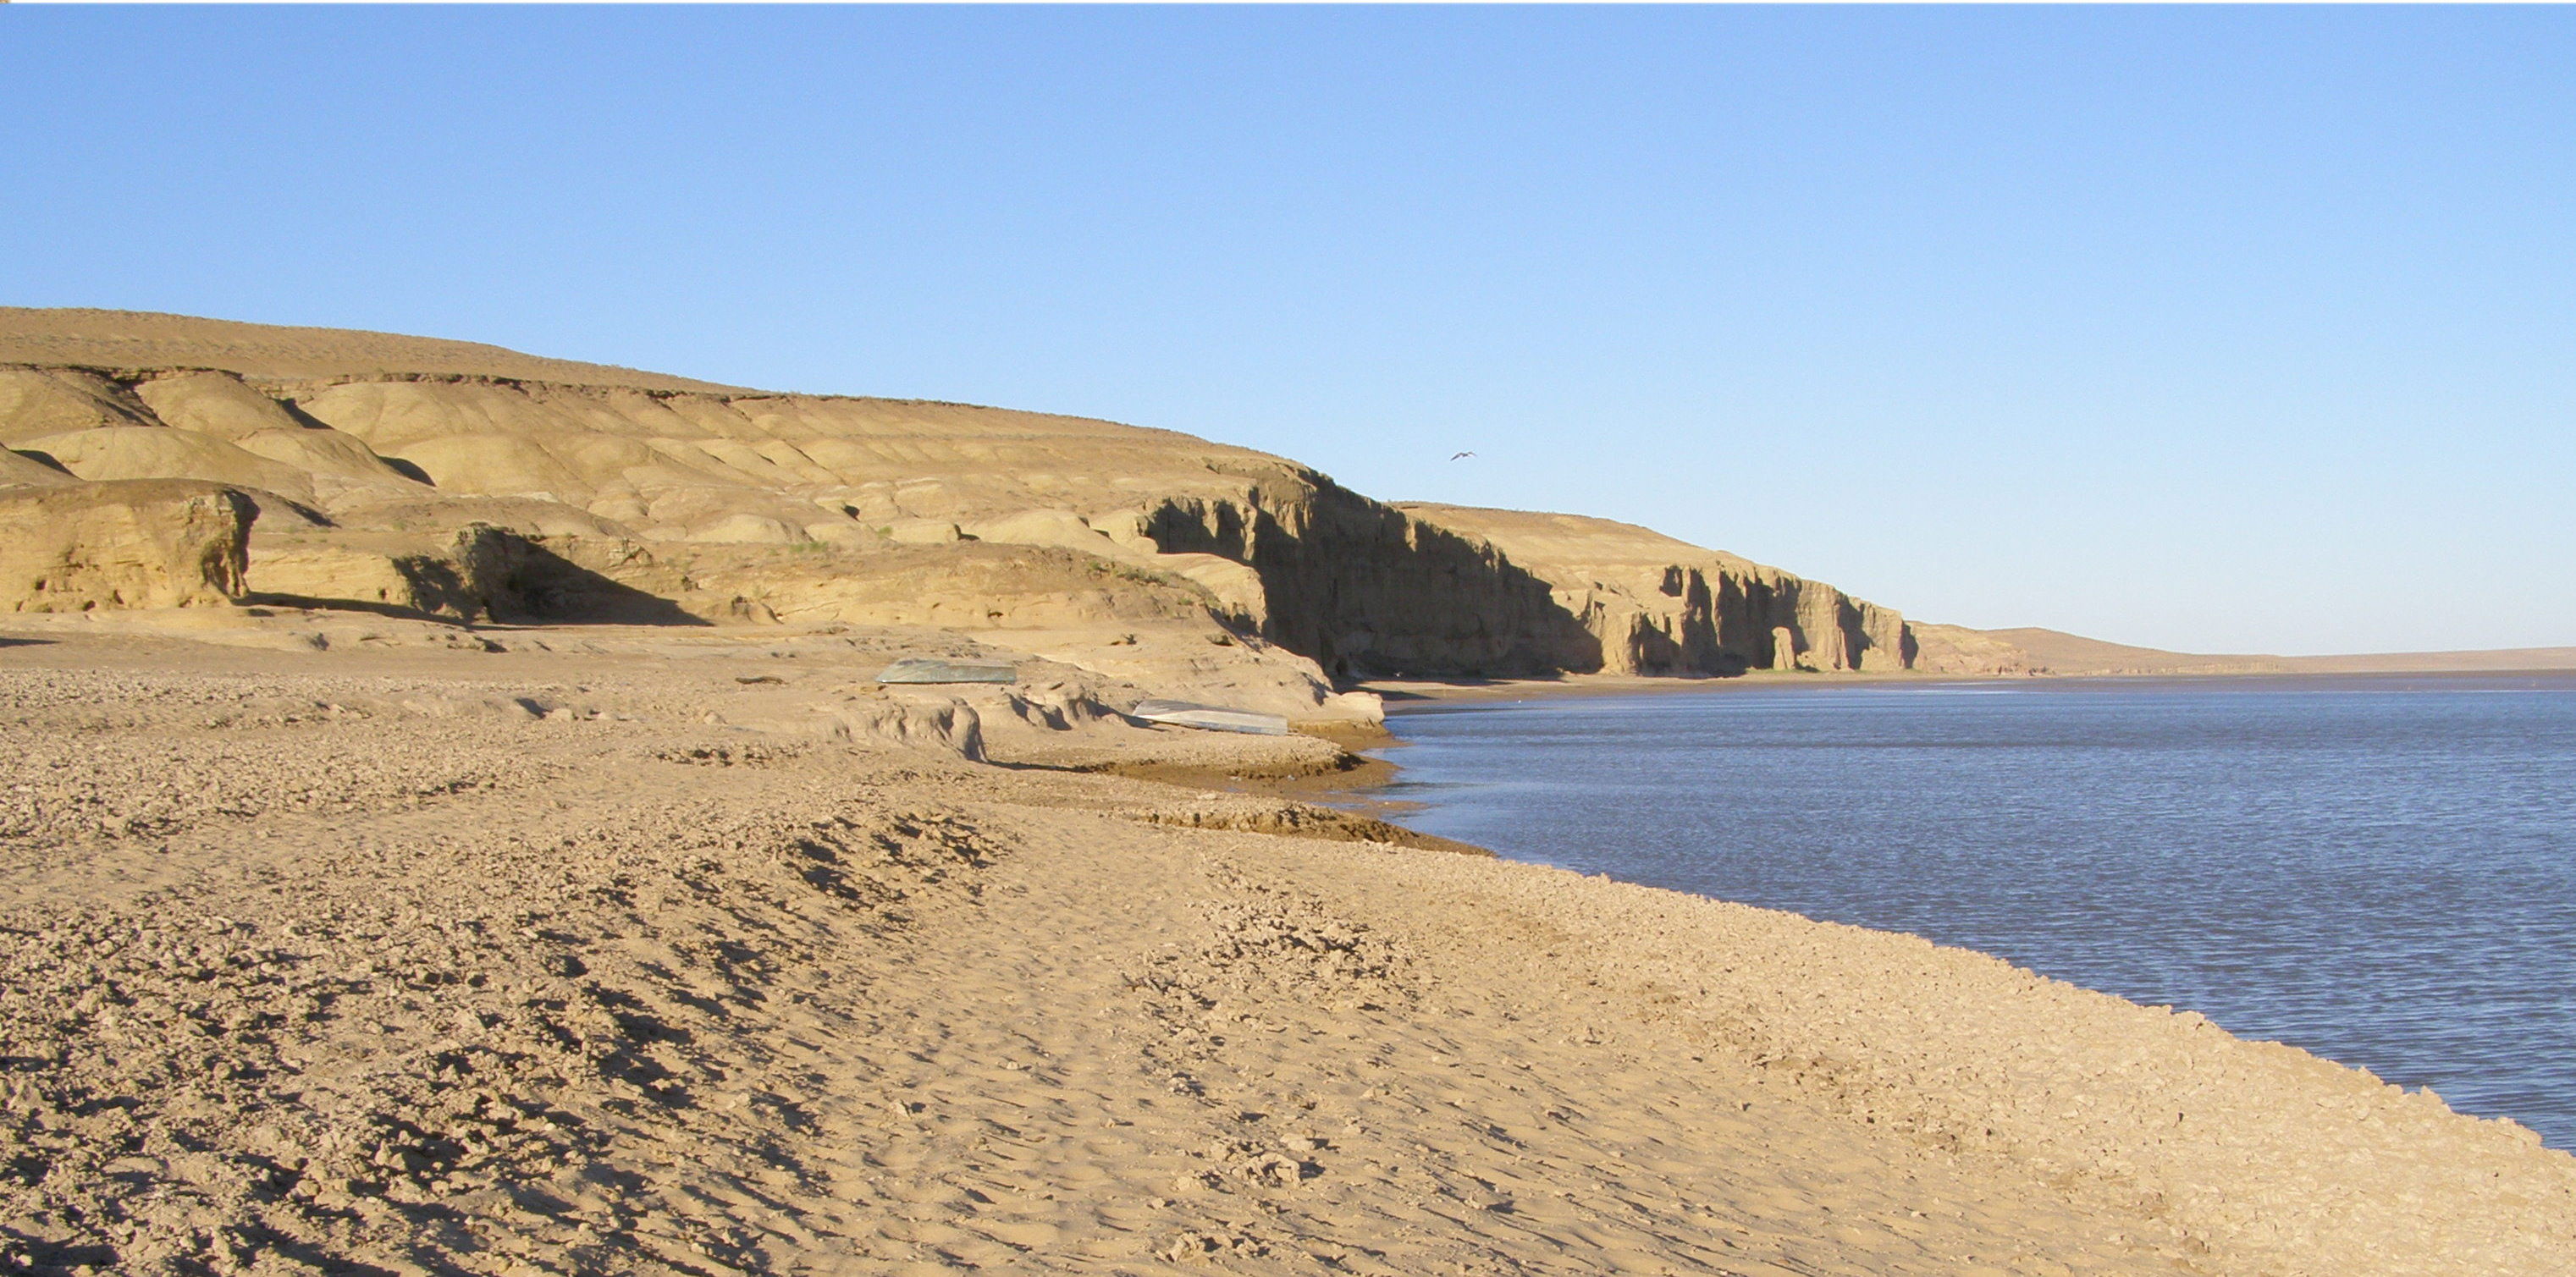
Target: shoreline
x=613 y=963
x=1401 y=695
x=1414 y=695
x=1510 y=782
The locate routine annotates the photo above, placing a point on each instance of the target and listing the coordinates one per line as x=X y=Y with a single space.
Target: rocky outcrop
x=1651 y=604
x=1365 y=588
x=75 y=547
x=477 y=573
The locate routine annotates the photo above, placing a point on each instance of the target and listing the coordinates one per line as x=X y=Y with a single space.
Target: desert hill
x=1957 y=649
x=142 y=340
x=2057 y=652
x=443 y=478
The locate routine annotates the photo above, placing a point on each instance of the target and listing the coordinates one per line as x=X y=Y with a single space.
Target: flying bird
x=1456 y=456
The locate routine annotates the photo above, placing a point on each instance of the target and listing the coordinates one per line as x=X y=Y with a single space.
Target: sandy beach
x=586 y=955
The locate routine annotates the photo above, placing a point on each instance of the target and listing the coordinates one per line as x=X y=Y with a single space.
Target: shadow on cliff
x=506 y=580
x=546 y=587
x=1367 y=590
x=316 y=603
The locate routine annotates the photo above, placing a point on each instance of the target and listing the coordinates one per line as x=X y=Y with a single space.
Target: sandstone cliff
x=72 y=547
x=1650 y=604
x=471 y=482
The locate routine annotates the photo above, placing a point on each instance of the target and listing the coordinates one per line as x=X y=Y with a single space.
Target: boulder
x=939 y=727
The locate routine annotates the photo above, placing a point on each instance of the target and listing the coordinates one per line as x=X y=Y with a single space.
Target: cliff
x=75 y=547
x=615 y=494
x=1651 y=604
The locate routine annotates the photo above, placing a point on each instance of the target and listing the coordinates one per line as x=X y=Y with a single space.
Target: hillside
x=1956 y=649
x=442 y=478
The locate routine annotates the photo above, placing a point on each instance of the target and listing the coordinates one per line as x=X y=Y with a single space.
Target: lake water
x=2381 y=870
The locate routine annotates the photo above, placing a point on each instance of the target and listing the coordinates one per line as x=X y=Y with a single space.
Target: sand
x=609 y=952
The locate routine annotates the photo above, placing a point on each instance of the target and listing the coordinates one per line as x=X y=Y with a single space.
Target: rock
x=1213 y=718
x=470 y=575
x=127 y=544
x=920 y=669
x=1649 y=604
x=946 y=727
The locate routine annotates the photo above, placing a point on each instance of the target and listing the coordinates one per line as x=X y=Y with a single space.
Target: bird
x=1459 y=456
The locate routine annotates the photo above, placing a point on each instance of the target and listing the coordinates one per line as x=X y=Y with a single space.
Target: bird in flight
x=1458 y=456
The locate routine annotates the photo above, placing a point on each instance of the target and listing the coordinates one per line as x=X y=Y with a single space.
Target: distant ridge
x=2057 y=652
x=2502 y=660
x=135 y=339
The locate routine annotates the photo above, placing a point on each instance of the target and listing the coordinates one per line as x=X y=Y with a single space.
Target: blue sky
x=2221 y=329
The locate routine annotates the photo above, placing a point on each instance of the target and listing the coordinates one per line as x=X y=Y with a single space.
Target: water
x=2381 y=870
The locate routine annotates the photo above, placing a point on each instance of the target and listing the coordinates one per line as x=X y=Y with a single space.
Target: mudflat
x=377 y=946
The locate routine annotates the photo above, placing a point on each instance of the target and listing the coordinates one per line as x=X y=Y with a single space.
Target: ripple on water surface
x=2381 y=870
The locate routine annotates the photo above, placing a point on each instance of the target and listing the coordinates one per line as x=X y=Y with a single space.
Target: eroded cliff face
x=1655 y=605
x=446 y=479
x=140 y=544
x=1365 y=588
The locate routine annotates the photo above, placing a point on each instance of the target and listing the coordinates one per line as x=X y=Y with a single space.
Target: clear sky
x=2207 y=328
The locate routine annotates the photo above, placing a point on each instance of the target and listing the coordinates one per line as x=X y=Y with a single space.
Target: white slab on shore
x=923 y=670
x=1214 y=718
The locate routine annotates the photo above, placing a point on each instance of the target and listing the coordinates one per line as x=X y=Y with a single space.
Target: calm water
x=2380 y=870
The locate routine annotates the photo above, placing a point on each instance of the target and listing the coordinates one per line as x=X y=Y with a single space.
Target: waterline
x=2378 y=869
